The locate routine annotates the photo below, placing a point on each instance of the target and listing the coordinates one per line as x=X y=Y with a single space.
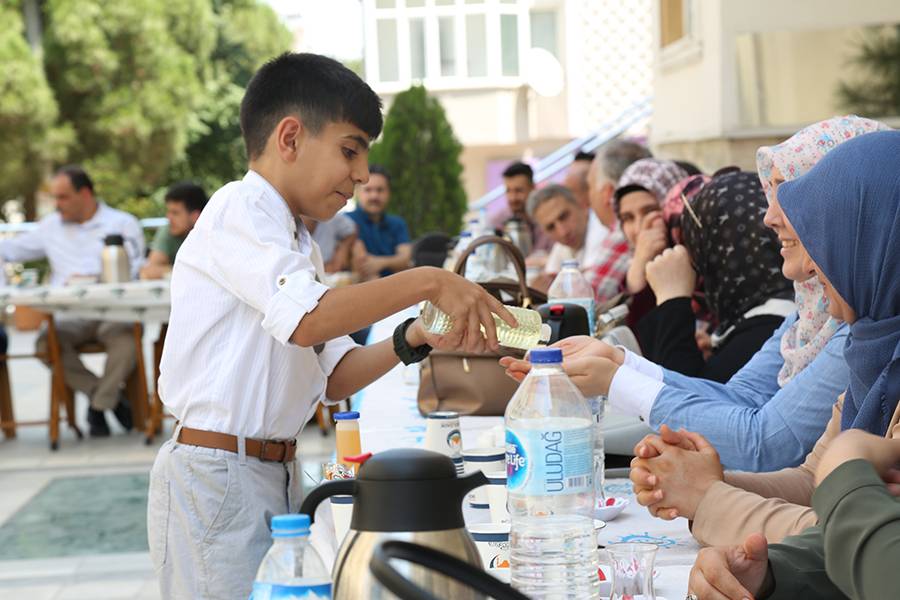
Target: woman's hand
x=651 y=240
x=733 y=573
x=591 y=375
x=585 y=346
x=671 y=274
x=671 y=480
x=884 y=454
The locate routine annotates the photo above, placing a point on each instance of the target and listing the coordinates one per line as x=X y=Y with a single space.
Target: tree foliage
x=125 y=84
x=247 y=35
x=422 y=154
x=28 y=112
x=875 y=91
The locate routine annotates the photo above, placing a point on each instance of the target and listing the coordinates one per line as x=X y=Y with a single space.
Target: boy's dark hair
x=585 y=156
x=519 y=168
x=316 y=88
x=380 y=170
x=78 y=176
x=190 y=194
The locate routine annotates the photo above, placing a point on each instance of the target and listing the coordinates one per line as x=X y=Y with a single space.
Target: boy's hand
x=584 y=346
x=469 y=307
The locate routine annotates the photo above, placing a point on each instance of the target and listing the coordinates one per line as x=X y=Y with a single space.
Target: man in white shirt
x=72 y=239
x=255 y=341
x=573 y=226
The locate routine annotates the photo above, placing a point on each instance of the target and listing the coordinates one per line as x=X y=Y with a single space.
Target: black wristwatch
x=406 y=353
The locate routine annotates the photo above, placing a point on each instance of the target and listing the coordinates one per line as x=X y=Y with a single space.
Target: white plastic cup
x=496 y=495
x=341 y=512
x=442 y=433
x=492 y=541
x=484 y=460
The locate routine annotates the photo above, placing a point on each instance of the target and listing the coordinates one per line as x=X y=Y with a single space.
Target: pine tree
x=421 y=153
x=876 y=92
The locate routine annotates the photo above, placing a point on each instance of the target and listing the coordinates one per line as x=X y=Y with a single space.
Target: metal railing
x=562 y=157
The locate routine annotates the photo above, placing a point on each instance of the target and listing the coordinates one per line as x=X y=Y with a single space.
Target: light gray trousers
x=208 y=518
x=118 y=338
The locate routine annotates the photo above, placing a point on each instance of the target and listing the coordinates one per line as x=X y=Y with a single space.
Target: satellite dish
x=543 y=73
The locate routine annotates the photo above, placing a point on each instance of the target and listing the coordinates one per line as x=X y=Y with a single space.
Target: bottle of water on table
x=291 y=568
x=549 y=463
x=571 y=287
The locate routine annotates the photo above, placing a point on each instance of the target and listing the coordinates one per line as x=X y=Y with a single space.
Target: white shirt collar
x=293 y=224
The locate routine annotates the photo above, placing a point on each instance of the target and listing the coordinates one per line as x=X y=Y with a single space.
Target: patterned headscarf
x=735 y=253
x=794 y=157
x=651 y=175
x=846 y=211
x=673 y=205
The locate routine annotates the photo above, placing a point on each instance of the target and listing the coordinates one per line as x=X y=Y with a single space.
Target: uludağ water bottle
x=571 y=287
x=291 y=568
x=549 y=465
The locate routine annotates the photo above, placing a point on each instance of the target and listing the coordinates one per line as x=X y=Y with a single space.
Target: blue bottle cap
x=543 y=356
x=570 y=263
x=290 y=526
x=346 y=416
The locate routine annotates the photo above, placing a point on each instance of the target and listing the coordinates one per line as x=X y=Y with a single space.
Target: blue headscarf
x=846 y=211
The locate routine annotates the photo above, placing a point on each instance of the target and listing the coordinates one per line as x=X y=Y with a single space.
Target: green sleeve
x=165 y=242
x=861 y=525
x=798 y=568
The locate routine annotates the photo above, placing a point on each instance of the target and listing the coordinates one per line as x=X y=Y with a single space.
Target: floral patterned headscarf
x=794 y=157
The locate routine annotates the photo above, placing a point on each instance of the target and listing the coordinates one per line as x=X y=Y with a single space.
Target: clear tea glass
x=632 y=571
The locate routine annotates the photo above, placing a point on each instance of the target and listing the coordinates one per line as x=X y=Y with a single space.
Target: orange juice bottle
x=347 y=433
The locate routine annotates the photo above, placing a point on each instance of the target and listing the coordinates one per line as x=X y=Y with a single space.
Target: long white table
x=389 y=418
x=146 y=304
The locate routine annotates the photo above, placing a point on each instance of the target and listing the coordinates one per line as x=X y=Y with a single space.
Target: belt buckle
x=263 y=445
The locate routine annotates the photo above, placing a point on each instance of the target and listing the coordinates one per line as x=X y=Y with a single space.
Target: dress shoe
x=97 y=422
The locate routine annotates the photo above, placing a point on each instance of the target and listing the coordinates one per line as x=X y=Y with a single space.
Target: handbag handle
x=512 y=252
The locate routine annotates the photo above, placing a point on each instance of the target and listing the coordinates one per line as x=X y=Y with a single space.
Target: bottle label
x=544 y=462
x=274 y=591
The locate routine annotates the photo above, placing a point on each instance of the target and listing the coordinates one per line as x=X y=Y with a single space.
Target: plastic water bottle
x=291 y=568
x=598 y=409
x=549 y=465
x=530 y=332
x=571 y=287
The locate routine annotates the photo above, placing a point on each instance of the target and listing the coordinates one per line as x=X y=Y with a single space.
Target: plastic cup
x=341 y=511
x=484 y=460
x=496 y=495
x=442 y=433
x=492 y=541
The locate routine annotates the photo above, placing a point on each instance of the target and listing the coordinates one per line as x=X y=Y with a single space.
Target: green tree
x=127 y=77
x=247 y=34
x=875 y=91
x=422 y=154
x=28 y=113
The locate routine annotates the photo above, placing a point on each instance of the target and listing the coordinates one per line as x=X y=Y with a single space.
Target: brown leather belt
x=264 y=450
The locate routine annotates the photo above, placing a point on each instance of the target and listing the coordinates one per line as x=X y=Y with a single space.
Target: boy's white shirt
x=242 y=281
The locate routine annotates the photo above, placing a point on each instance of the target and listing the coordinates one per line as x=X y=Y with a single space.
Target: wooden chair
x=157 y=411
x=135 y=385
x=325 y=415
x=58 y=397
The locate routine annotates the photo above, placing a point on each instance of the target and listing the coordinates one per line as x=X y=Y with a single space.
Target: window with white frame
x=449 y=42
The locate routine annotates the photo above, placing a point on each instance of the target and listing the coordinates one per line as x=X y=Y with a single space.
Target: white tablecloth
x=135 y=301
x=389 y=419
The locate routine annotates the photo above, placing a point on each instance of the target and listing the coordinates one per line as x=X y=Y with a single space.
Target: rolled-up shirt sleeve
x=253 y=255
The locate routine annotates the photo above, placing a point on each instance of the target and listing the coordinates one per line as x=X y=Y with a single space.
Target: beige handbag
x=476 y=384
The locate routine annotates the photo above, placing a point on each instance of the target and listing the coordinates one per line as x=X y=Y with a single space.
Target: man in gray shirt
x=335 y=238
